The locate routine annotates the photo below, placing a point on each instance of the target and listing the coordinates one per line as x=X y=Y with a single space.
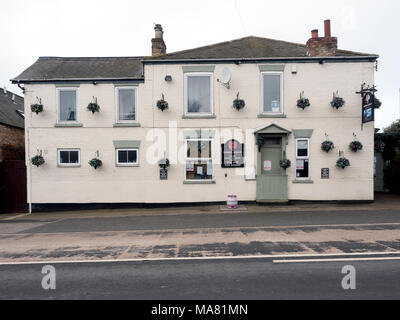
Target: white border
x=185 y=95
x=280 y=74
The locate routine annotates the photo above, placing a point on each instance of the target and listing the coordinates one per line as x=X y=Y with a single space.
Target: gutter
x=59 y=80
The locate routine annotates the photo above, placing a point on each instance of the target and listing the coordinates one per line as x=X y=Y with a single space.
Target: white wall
x=51 y=184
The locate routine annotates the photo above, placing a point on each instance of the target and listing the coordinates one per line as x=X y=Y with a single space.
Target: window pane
x=302 y=148
x=198 y=149
x=199 y=170
x=67 y=105
x=132 y=156
x=122 y=156
x=64 y=157
x=302 y=168
x=73 y=157
x=272 y=93
x=127 y=104
x=198 y=91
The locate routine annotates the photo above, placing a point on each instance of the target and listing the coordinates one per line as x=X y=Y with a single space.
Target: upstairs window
x=69 y=157
x=198 y=93
x=271 y=92
x=126 y=104
x=67 y=104
x=302 y=159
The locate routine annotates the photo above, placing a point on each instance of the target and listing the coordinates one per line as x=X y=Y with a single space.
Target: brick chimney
x=322 y=47
x=157 y=43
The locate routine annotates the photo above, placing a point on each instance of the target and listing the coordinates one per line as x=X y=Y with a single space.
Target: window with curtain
x=198 y=93
x=271 y=91
x=302 y=158
x=199 y=164
x=67 y=105
x=126 y=104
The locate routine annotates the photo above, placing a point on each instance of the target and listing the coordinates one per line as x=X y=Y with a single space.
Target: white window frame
x=188 y=74
x=303 y=158
x=276 y=73
x=199 y=159
x=130 y=164
x=135 y=88
x=59 y=105
x=68 y=164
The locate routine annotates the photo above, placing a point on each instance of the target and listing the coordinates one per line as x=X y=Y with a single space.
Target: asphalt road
x=221 y=220
x=203 y=279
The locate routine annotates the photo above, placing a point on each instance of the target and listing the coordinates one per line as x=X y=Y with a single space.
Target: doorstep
x=240 y=208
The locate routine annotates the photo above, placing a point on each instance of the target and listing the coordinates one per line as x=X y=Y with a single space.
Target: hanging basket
x=337 y=102
x=37 y=160
x=162 y=104
x=355 y=146
x=37 y=108
x=94 y=107
x=238 y=104
x=327 y=146
x=303 y=102
x=379 y=146
x=164 y=163
x=95 y=163
x=285 y=163
x=377 y=103
x=343 y=163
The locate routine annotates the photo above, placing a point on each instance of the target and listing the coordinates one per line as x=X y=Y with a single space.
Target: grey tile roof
x=8 y=110
x=58 y=69
x=248 y=48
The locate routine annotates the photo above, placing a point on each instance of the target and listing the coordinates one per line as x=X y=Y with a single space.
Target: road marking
x=335 y=260
x=296 y=258
x=15 y=217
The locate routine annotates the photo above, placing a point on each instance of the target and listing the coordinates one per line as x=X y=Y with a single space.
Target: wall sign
x=232 y=154
x=325 y=173
x=267 y=165
x=163 y=174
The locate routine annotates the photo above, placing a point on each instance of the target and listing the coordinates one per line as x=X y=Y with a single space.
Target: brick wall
x=12 y=143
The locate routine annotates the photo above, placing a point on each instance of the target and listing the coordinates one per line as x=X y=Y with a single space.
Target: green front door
x=271 y=178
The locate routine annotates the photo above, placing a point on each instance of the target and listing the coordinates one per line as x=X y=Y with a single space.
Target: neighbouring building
x=213 y=148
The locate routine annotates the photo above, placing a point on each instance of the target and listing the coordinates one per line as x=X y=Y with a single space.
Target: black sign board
x=368 y=111
x=163 y=174
x=233 y=154
x=325 y=173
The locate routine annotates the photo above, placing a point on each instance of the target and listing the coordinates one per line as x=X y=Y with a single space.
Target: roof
x=59 y=69
x=9 y=110
x=249 y=48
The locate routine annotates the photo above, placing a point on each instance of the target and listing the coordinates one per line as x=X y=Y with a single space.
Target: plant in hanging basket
x=37 y=107
x=94 y=107
x=303 y=102
x=379 y=146
x=285 y=163
x=37 y=160
x=164 y=163
x=355 y=146
x=337 y=102
x=238 y=104
x=162 y=104
x=95 y=163
x=377 y=103
x=327 y=146
x=343 y=163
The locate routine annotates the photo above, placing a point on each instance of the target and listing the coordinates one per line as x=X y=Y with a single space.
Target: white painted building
x=130 y=134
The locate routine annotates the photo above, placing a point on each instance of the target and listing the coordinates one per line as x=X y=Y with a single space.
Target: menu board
x=233 y=154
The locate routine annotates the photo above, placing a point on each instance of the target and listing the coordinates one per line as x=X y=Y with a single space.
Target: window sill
x=199 y=116
x=266 y=115
x=126 y=165
x=124 y=125
x=66 y=166
x=303 y=181
x=199 y=182
x=63 y=125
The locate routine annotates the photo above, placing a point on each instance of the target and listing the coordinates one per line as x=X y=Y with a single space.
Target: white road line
x=214 y=258
x=335 y=260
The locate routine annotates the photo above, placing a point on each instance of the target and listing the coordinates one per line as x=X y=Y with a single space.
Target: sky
x=33 y=28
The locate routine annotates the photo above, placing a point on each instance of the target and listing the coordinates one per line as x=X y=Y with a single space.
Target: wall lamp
x=168 y=78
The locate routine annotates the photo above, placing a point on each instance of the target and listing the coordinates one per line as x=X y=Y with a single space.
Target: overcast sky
x=30 y=29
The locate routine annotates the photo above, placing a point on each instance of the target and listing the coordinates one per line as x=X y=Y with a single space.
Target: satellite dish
x=225 y=76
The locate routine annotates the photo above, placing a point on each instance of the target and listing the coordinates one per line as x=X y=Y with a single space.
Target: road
x=241 y=279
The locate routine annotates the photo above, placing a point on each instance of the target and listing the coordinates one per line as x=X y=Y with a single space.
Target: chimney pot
x=327 y=28
x=314 y=33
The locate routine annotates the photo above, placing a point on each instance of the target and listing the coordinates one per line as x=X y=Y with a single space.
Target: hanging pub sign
x=233 y=154
x=368 y=99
